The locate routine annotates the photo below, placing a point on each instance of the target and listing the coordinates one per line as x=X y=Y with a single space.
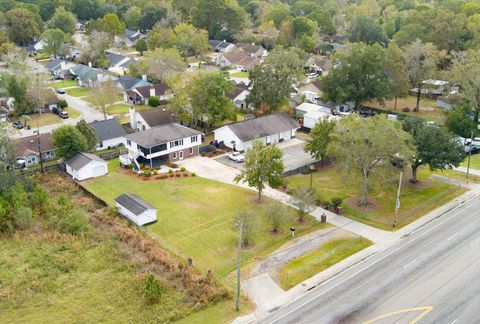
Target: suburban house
x=35 y=48
x=60 y=69
x=251 y=49
x=306 y=107
x=83 y=166
x=136 y=209
x=140 y=95
x=26 y=149
x=318 y=65
x=221 y=46
x=88 y=76
x=129 y=38
x=127 y=82
x=162 y=144
x=239 y=95
x=146 y=119
x=118 y=63
x=239 y=60
x=310 y=119
x=109 y=133
x=311 y=91
x=269 y=129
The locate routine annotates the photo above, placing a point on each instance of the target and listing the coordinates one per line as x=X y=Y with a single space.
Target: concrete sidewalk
x=471 y=171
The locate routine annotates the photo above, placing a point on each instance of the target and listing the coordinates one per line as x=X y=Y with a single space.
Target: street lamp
x=312 y=168
x=233 y=145
x=39 y=147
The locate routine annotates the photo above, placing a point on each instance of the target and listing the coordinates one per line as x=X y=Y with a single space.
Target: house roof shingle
x=252 y=129
x=133 y=203
x=29 y=145
x=239 y=88
x=162 y=134
x=160 y=89
x=157 y=117
x=81 y=159
x=128 y=82
x=108 y=129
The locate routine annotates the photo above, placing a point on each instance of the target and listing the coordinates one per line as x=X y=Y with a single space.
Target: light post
x=39 y=147
x=469 y=155
x=397 y=202
x=312 y=168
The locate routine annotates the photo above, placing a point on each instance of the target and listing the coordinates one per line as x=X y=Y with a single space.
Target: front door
x=180 y=155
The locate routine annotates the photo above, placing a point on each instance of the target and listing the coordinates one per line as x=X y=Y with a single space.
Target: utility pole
x=39 y=147
x=240 y=229
x=397 y=202
x=469 y=155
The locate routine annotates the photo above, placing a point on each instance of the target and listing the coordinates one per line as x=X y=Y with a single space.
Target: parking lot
x=293 y=156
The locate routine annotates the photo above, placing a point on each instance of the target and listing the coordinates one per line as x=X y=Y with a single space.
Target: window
x=191 y=150
x=129 y=143
x=174 y=155
x=194 y=139
x=176 y=143
x=144 y=150
x=158 y=148
x=32 y=159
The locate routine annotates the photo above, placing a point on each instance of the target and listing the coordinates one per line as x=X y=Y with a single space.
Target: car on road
x=313 y=75
x=63 y=114
x=236 y=157
x=17 y=125
x=60 y=91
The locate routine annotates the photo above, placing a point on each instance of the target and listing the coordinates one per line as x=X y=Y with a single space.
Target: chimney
x=152 y=91
x=144 y=77
x=89 y=64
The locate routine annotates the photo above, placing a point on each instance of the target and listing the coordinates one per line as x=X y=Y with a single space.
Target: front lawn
x=240 y=75
x=428 y=108
x=46 y=119
x=78 y=92
x=474 y=162
x=63 y=84
x=306 y=266
x=122 y=108
x=196 y=216
x=416 y=200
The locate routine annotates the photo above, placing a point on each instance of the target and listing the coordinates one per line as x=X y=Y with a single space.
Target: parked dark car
x=17 y=125
x=60 y=91
x=56 y=110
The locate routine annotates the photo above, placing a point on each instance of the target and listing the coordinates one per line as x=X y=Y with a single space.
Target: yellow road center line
x=425 y=309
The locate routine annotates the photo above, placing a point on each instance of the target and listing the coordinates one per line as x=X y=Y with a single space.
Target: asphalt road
x=431 y=276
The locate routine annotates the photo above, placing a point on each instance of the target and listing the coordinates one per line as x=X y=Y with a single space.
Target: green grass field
x=474 y=162
x=78 y=92
x=428 y=108
x=63 y=84
x=306 y=266
x=46 y=119
x=416 y=200
x=240 y=75
x=196 y=216
x=49 y=279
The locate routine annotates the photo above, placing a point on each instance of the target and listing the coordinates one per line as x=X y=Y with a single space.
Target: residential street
x=431 y=274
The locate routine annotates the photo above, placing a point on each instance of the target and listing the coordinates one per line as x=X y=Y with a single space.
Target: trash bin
x=339 y=210
x=323 y=218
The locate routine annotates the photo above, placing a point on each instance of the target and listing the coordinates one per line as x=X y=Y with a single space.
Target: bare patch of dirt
x=417 y=185
x=373 y=204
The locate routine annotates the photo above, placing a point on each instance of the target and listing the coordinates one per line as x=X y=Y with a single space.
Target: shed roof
x=133 y=203
x=81 y=159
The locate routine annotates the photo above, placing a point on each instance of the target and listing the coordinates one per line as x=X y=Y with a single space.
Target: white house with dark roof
x=128 y=82
x=239 y=95
x=162 y=144
x=129 y=38
x=140 y=95
x=136 y=209
x=118 y=63
x=83 y=166
x=109 y=133
x=221 y=46
x=146 y=119
x=269 y=129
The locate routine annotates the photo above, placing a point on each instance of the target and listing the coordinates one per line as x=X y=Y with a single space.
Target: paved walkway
x=472 y=171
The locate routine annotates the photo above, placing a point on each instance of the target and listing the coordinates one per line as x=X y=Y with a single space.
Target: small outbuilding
x=136 y=209
x=83 y=166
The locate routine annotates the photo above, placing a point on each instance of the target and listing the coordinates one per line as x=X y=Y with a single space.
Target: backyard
x=240 y=75
x=196 y=216
x=416 y=200
x=45 y=119
x=428 y=108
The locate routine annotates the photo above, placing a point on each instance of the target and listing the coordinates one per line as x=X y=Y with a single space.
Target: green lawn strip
x=48 y=118
x=63 y=84
x=430 y=110
x=72 y=113
x=78 y=92
x=81 y=279
x=474 y=162
x=122 y=108
x=240 y=75
x=416 y=201
x=306 y=266
x=196 y=216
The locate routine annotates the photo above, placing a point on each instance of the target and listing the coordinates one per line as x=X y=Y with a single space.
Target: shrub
x=154 y=101
x=63 y=104
x=172 y=165
x=147 y=168
x=131 y=166
x=185 y=174
x=406 y=109
x=163 y=176
x=193 y=174
x=142 y=166
x=152 y=289
x=183 y=169
x=178 y=175
x=171 y=175
x=147 y=174
x=72 y=222
x=170 y=171
x=155 y=172
x=22 y=217
x=336 y=202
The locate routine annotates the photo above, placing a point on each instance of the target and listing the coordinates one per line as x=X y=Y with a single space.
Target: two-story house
x=162 y=144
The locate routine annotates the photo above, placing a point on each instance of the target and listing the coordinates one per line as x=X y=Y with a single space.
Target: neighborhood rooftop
x=157 y=117
x=161 y=134
x=133 y=203
x=29 y=145
x=81 y=159
x=108 y=129
x=251 y=129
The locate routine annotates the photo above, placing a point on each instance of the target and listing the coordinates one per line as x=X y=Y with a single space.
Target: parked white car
x=343 y=110
x=236 y=157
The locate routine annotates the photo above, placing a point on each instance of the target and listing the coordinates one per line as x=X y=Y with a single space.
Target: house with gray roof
x=146 y=119
x=269 y=129
x=109 y=133
x=83 y=166
x=129 y=38
x=60 y=69
x=88 y=76
x=136 y=209
x=119 y=63
x=139 y=95
x=221 y=46
x=128 y=82
x=162 y=144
